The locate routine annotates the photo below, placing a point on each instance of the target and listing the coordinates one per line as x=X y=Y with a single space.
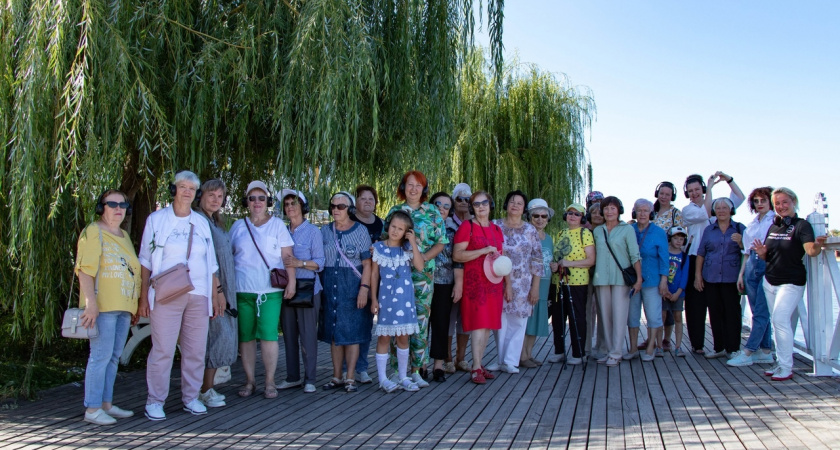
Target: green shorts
x=262 y=326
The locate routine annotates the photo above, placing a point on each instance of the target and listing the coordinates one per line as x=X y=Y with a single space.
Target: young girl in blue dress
x=393 y=297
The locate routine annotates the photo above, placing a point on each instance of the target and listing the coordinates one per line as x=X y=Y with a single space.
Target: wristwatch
x=304 y=264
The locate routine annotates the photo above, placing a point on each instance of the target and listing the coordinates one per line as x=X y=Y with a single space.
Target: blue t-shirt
x=677 y=273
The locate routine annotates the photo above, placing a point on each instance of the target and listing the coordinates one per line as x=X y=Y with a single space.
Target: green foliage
x=530 y=137
x=313 y=94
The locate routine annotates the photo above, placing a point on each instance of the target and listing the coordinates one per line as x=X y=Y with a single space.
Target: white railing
x=820 y=323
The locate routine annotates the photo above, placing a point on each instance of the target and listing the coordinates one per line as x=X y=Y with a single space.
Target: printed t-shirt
x=785 y=251
x=114 y=264
x=571 y=245
x=677 y=273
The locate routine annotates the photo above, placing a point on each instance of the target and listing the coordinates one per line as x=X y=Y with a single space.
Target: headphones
x=728 y=201
x=472 y=210
x=512 y=194
x=583 y=219
x=405 y=215
x=779 y=220
x=99 y=209
x=620 y=206
x=269 y=201
x=633 y=214
x=304 y=206
x=174 y=189
x=667 y=184
x=352 y=208
x=693 y=179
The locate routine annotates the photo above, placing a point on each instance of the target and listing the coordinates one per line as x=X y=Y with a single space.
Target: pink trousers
x=185 y=317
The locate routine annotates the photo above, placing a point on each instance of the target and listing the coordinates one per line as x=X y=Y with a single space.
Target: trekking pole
x=574 y=319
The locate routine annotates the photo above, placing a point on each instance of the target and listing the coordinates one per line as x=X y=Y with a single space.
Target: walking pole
x=559 y=300
x=574 y=319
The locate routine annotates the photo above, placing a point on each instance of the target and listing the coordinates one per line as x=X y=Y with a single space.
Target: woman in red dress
x=481 y=305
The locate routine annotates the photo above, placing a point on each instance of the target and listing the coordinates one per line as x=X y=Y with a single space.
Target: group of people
x=436 y=269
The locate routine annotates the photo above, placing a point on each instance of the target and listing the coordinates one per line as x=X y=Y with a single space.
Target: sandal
x=270 y=392
x=350 y=386
x=699 y=351
x=486 y=373
x=247 y=390
x=335 y=383
x=477 y=376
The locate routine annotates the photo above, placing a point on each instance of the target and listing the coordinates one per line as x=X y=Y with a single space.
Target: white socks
x=382 y=366
x=402 y=362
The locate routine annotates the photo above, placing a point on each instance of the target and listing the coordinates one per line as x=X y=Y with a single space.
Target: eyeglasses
x=485 y=202
x=340 y=207
x=113 y=205
x=445 y=206
x=462 y=199
x=539 y=216
x=574 y=213
x=254 y=198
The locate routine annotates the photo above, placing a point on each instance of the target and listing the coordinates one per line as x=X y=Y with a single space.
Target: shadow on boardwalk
x=672 y=402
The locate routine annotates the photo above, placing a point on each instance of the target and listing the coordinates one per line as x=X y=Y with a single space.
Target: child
x=677 y=278
x=393 y=297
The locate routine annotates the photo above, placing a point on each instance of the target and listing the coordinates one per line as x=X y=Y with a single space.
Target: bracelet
x=366 y=286
x=219 y=289
x=730 y=180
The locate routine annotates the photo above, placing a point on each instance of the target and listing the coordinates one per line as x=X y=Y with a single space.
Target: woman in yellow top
x=575 y=252
x=109 y=278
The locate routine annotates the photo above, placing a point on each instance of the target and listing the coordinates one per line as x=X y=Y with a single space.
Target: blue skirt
x=341 y=322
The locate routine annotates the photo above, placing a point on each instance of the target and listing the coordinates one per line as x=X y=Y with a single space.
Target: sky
x=751 y=88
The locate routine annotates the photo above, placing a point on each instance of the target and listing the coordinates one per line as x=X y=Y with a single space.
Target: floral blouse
x=523 y=247
x=428 y=228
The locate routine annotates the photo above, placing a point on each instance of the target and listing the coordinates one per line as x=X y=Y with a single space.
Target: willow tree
x=305 y=93
x=528 y=136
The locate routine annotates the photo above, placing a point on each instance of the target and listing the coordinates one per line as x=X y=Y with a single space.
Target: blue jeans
x=105 y=352
x=761 y=333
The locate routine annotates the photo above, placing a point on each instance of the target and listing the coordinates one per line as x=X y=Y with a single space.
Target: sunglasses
x=254 y=198
x=113 y=205
x=445 y=206
x=760 y=200
x=484 y=202
x=462 y=199
x=340 y=207
x=574 y=213
x=539 y=216
x=290 y=203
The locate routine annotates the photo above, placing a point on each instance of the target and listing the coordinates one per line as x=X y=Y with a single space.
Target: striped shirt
x=309 y=246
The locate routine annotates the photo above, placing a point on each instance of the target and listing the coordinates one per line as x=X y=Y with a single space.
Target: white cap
x=462 y=190
x=286 y=192
x=539 y=203
x=256 y=184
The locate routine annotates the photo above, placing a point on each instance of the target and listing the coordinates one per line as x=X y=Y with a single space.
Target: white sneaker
x=363 y=377
x=118 y=413
x=557 y=358
x=407 y=385
x=99 y=417
x=309 y=388
x=715 y=355
x=211 y=399
x=495 y=367
x=572 y=361
x=508 y=369
x=289 y=384
x=648 y=358
x=740 y=359
x=388 y=386
x=155 y=412
x=759 y=357
x=418 y=380
x=195 y=407
x=630 y=355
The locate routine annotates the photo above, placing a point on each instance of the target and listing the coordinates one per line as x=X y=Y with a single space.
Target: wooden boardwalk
x=670 y=403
